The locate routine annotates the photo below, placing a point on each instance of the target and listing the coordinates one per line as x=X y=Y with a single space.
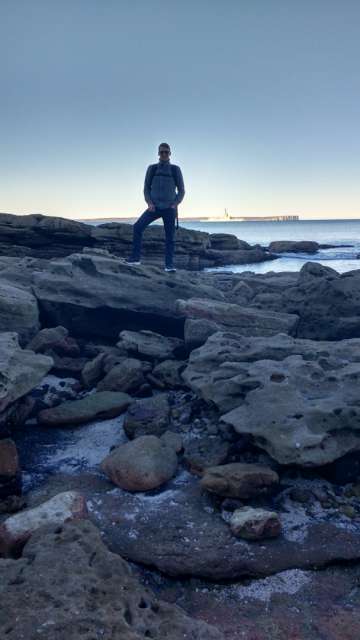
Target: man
x=161 y=182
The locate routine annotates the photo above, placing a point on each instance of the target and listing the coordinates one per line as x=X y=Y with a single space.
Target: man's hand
x=173 y=206
x=151 y=207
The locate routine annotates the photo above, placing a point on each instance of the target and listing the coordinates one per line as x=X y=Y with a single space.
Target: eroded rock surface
x=43 y=597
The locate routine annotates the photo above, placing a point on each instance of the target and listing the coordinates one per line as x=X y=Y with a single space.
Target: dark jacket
x=162 y=190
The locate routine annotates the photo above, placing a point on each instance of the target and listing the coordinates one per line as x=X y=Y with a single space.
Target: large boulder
x=296 y=398
x=21 y=369
x=127 y=376
x=244 y=320
x=96 y=294
x=68 y=585
x=141 y=465
x=18 y=311
x=96 y=406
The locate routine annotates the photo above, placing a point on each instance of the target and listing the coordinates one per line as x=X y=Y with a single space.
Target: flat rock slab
x=291 y=605
x=179 y=532
x=97 y=406
x=246 y=321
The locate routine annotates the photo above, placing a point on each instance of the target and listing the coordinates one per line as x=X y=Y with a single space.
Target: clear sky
x=258 y=99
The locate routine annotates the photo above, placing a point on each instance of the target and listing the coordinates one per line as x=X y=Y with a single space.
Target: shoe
x=170 y=269
x=133 y=263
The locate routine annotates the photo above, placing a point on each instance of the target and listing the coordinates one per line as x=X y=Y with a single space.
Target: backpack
x=174 y=175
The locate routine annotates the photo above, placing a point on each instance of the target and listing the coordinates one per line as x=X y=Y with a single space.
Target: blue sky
x=259 y=100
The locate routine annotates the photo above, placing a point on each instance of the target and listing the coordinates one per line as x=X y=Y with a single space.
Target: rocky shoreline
x=203 y=427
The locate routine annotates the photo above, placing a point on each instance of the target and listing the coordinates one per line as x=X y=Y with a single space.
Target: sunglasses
x=164 y=151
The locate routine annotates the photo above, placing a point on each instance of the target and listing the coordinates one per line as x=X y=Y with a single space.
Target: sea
x=334 y=232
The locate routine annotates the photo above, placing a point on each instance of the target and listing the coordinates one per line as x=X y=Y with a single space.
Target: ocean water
x=335 y=232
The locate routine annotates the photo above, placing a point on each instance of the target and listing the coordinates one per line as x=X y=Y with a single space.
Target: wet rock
x=141 y=465
x=111 y=602
x=127 y=377
x=17 y=529
x=246 y=321
x=204 y=452
x=149 y=344
x=148 y=416
x=97 y=406
x=255 y=524
x=238 y=480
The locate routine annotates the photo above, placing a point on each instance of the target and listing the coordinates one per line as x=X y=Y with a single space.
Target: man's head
x=164 y=151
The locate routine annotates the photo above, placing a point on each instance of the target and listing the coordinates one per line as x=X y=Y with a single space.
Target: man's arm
x=147 y=186
x=180 y=187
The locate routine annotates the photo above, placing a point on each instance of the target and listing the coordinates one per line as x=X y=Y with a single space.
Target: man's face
x=164 y=153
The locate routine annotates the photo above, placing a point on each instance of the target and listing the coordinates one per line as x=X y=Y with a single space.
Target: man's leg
x=169 y=216
x=145 y=219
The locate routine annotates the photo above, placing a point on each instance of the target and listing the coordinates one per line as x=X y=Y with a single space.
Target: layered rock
x=246 y=321
x=296 y=398
x=42 y=236
x=94 y=294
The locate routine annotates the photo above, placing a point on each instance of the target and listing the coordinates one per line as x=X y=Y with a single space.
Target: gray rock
x=238 y=480
x=167 y=374
x=97 y=406
x=127 y=376
x=245 y=321
x=93 y=371
x=148 y=416
x=197 y=331
x=141 y=465
x=204 y=452
x=294 y=246
x=18 y=311
x=255 y=524
x=179 y=532
x=149 y=344
x=17 y=529
x=315 y=418
x=98 y=295
x=21 y=369
x=101 y=598
x=47 y=339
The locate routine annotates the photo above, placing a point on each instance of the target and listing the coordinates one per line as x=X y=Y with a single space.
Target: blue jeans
x=169 y=217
